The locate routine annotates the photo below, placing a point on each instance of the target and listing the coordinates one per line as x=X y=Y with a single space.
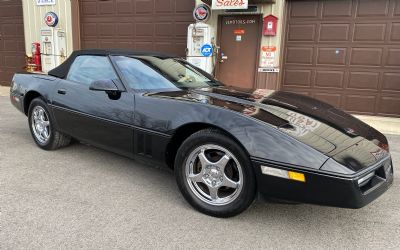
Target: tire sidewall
x=39 y=102
x=248 y=191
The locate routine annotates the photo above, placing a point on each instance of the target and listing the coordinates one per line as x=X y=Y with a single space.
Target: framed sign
x=229 y=4
x=45 y=2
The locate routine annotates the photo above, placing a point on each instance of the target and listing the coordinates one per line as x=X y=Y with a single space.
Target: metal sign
x=229 y=4
x=51 y=19
x=267 y=56
x=202 y=13
x=45 y=2
x=207 y=50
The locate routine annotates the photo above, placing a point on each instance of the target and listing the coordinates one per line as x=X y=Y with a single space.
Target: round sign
x=207 y=50
x=51 y=19
x=202 y=12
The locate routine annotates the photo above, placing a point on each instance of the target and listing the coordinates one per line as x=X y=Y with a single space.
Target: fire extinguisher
x=36 y=59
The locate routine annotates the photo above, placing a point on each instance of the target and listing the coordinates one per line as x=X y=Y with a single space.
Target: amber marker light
x=297 y=176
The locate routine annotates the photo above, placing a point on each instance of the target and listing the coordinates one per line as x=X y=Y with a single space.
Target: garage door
x=346 y=53
x=12 y=42
x=150 y=25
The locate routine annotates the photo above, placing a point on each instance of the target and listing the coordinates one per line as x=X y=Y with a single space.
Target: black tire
x=55 y=139
x=206 y=137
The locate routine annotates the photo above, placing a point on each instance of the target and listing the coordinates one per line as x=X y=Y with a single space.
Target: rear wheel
x=42 y=127
x=214 y=174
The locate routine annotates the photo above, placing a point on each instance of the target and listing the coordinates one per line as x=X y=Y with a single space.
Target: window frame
x=120 y=84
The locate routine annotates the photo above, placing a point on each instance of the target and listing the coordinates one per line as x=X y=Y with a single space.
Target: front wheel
x=214 y=174
x=42 y=127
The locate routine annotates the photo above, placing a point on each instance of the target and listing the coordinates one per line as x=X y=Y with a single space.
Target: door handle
x=61 y=91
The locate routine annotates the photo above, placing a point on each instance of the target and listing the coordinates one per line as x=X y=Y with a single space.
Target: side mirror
x=104 y=85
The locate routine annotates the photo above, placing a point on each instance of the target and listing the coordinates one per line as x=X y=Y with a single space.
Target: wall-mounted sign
x=51 y=19
x=229 y=4
x=239 y=32
x=202 y=13
x=207 y=50
x=267 y=56
x=45 y=2
x=268 y=70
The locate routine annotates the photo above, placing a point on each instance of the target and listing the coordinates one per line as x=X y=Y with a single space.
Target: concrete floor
x=83 y=197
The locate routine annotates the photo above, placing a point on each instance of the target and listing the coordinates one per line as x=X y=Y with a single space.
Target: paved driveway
x=83 y=197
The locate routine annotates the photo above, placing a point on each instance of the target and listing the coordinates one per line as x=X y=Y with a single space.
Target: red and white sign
x=51 y=19
x=267 y=56
x=229 y=4
x=239 y=32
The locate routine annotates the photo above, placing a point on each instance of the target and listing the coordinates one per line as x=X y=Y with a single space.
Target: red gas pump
x=36 y=59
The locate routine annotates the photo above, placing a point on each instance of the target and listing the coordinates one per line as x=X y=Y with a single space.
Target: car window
x=153 y=73
x=138 y=75
x=87 y=69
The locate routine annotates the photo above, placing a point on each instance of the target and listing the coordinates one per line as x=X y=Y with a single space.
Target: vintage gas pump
x=200 y=46
x=36 y=59
x=53 y=47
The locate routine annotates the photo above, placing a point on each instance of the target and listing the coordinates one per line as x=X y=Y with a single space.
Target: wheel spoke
x=46 y=123
x=196 y=177
x=222 y=162
x=227 y=182
x=41 y=115
x=203 y=159
x=213 y=193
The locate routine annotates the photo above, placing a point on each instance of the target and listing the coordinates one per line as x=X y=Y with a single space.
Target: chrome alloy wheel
x=214 y=175
x=40 y=124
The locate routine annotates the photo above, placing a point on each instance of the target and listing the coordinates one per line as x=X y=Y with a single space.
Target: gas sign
x=51 y=19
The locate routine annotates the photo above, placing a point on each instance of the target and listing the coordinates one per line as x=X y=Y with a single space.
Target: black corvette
x=225 y=145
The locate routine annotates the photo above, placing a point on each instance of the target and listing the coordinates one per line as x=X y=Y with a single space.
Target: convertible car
x=225 y=145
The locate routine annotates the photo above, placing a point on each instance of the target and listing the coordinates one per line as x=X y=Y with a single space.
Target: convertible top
x=62 y=70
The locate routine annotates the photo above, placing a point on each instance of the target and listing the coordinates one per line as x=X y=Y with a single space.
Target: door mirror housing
x=107 y=85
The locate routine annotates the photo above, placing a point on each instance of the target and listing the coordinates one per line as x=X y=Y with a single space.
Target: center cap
x=214 y=173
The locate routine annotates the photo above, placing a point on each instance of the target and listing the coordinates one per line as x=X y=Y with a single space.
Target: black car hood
x=317 y=124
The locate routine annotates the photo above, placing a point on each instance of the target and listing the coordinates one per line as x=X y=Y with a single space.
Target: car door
x=94 y=116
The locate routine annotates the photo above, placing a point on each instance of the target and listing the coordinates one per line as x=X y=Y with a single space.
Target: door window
x=87 y=69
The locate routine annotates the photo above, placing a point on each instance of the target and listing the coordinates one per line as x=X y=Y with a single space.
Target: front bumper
x=325 y=189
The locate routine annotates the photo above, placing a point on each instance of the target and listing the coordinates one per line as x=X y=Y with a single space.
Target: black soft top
x=62 y=70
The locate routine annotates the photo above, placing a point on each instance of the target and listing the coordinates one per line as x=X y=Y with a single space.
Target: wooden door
x=239 y=42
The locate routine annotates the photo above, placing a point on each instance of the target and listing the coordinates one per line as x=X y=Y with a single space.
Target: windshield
x=149 y=72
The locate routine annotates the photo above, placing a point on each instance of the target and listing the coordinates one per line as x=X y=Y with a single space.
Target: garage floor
x=82 y=197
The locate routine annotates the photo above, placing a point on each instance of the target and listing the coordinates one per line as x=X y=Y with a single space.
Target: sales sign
x=229 y=4
x=45 y=2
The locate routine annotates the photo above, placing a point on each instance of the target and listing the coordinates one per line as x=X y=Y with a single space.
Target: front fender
x=261 y=140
